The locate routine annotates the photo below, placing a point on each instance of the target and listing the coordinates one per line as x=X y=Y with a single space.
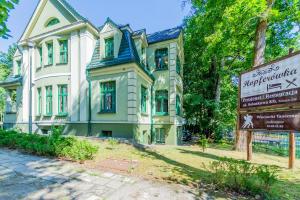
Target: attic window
x=52 y=22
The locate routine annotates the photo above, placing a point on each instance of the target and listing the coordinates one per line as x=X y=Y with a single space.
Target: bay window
x=161 y=102
x=49 y=101
x=108 y=97
x=144 y=99
x=62 y=99
x=50 y=53
x=178 y=105
x=161 y=59
x=63 y=51
x=39 y=101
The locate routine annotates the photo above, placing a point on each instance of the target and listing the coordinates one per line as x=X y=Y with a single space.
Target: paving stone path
x=24 y=176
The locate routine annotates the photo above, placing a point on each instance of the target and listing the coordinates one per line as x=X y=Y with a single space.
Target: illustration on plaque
x=248 y=121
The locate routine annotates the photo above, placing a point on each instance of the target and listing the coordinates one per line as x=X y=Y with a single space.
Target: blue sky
x=154 y=15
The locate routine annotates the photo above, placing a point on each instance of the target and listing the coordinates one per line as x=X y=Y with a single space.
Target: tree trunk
x=219 y=84
x=260 y=43
x=260 y=36
x=259 y=59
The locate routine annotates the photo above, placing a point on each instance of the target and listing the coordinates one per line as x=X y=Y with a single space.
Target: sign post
x=269 y=100
x=249 y=145
x=292 y=150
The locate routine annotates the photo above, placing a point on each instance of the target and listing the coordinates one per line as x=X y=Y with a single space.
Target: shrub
x=203 y=143
x=52 y=145
x=243 y=177
x=79 y=150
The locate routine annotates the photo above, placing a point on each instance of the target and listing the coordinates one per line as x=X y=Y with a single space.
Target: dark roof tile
x=160 y=36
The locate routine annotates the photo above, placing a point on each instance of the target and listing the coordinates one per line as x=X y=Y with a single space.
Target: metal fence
x=275 y=142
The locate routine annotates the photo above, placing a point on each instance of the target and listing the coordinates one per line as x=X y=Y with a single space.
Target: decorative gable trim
x=38 y=10
x=109 y=21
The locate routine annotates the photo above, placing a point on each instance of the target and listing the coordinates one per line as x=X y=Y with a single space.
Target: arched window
x=52 y=22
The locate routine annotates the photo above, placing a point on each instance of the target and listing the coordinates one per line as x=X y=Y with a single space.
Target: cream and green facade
x=108 y=81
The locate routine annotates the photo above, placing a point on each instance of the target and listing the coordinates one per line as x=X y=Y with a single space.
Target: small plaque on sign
x=272 y=84
x=279 y=120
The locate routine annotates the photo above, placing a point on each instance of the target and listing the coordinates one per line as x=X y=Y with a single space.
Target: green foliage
x=5 y=7
x=219 y=43
x=203 y=143
x=112 y=142
x=6 y=63
x=53 y=145
x=244 y=177
x=79 y=150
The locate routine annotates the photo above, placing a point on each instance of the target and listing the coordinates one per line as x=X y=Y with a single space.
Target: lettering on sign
x=276 y=83
x=279 y=120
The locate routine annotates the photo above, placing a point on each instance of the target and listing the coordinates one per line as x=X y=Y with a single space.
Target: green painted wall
x=121 y=97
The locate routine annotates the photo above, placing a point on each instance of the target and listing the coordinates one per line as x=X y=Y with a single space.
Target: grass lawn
x=188 y=164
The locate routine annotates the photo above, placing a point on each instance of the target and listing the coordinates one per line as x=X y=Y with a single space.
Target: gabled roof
x=108 y=20
x=160 y=36
x=138 y=32
x=72 y=10
x=40 y=6
x=127 y=54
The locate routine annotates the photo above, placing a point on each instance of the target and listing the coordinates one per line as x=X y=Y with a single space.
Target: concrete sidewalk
x=24 y=176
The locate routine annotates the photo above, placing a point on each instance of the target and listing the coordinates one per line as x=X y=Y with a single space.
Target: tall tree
x=219 y=43
x=5 y=7
x=6 y=63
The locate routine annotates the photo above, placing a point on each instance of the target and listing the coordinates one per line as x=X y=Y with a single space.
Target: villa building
x=107 y=81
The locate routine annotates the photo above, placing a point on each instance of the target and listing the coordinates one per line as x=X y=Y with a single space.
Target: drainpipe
x=30 y=45
x=151 y=114
x=90 y=106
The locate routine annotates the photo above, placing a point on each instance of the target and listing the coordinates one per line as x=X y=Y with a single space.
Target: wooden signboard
x=269 y=99
x=275 y=84
x=274 y=121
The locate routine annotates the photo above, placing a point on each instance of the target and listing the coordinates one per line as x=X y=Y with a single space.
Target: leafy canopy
x=219 y=43
x=5 y=7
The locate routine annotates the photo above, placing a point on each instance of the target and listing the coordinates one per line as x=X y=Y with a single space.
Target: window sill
x=48 y=115
x=10 y=112
x=64 y=63
x=107 y=112
x=48 y=65
x=145 y=114
x=164 y=69
x=161 y=114
x=62 y=115
x=39 y=68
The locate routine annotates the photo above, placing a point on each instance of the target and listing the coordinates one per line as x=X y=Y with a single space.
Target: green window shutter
x=178 y=66
x=178 y=105
x=62 y=100
x=161 y=59
x=49 y=100
x=161 y=102
x=144 y=99
x=41 y=55
x=108 y=97
x=39 y=99
x=63 y=51
x=109 y=47
x=50 y=53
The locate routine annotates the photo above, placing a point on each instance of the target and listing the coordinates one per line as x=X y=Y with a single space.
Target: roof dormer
x=110 y=40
